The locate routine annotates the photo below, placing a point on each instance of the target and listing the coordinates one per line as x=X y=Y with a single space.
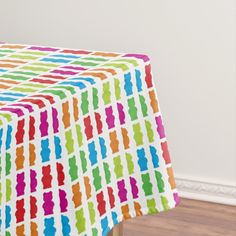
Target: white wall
x=192 y=46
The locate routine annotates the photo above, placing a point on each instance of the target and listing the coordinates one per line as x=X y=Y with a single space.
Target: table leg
x=117 y=230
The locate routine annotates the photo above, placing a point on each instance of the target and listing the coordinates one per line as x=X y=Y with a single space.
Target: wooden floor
x=190 y=218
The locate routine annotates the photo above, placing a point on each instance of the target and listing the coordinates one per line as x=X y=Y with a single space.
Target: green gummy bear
x=44 y=64
x=96 y=59
x=165 y=203
x=95 y=98
x=7 y=116
x=83 y=161
x=24 y=57
x=69 y=142
x=150 y=133
x=130 y=163
x=118 y=167
x=91 y=212
x=31 y=74
x=138 y=136
x=35 y=68
x=117 y=89
x=132 y=109
x=84 y=63
x=97 y=180
x=80 y=220
x=106 y=93
x=95 y=232
x=107 y=172
x=151 y=206
x=84 y=102
x=143 y=105
x=6 y=50
x=24 y=90
x=147 y=186
x=33 y=53
x=8 y=190
x=8 y=163
x=14 y=77
x=131 y=61
x=59 y=93
x=69 y=88
x=79 y=135
x=121 y=66
x=73 y=168
x=160 y=182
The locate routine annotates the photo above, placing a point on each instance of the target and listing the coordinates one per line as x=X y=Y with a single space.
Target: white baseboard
x=205 y=191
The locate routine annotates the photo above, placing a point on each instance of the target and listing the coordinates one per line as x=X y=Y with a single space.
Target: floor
x=190 y=218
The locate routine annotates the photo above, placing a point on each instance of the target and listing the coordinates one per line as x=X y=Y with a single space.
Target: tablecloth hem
x=133 y=214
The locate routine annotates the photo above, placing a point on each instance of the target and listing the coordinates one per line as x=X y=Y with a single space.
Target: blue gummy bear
x=49 y=229
x=55 y=60
x=80 y=85
x=103 y=147
x=155 y=158
x=138 y=80
x=65 y=225
x=8 y=140
x=58 y=150
x=142 y=160
x=92 y=153
x=128 y=84
x=114 y=217
x=8 y=216
x=45 y=150
x=105 y=227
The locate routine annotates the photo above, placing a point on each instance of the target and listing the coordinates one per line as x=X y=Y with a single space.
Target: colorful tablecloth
x=82 y=143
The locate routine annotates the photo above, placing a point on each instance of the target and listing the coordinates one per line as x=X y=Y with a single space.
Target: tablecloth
x=82 y=142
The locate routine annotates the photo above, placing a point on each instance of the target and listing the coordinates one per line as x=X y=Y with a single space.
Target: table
x=82 y=142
